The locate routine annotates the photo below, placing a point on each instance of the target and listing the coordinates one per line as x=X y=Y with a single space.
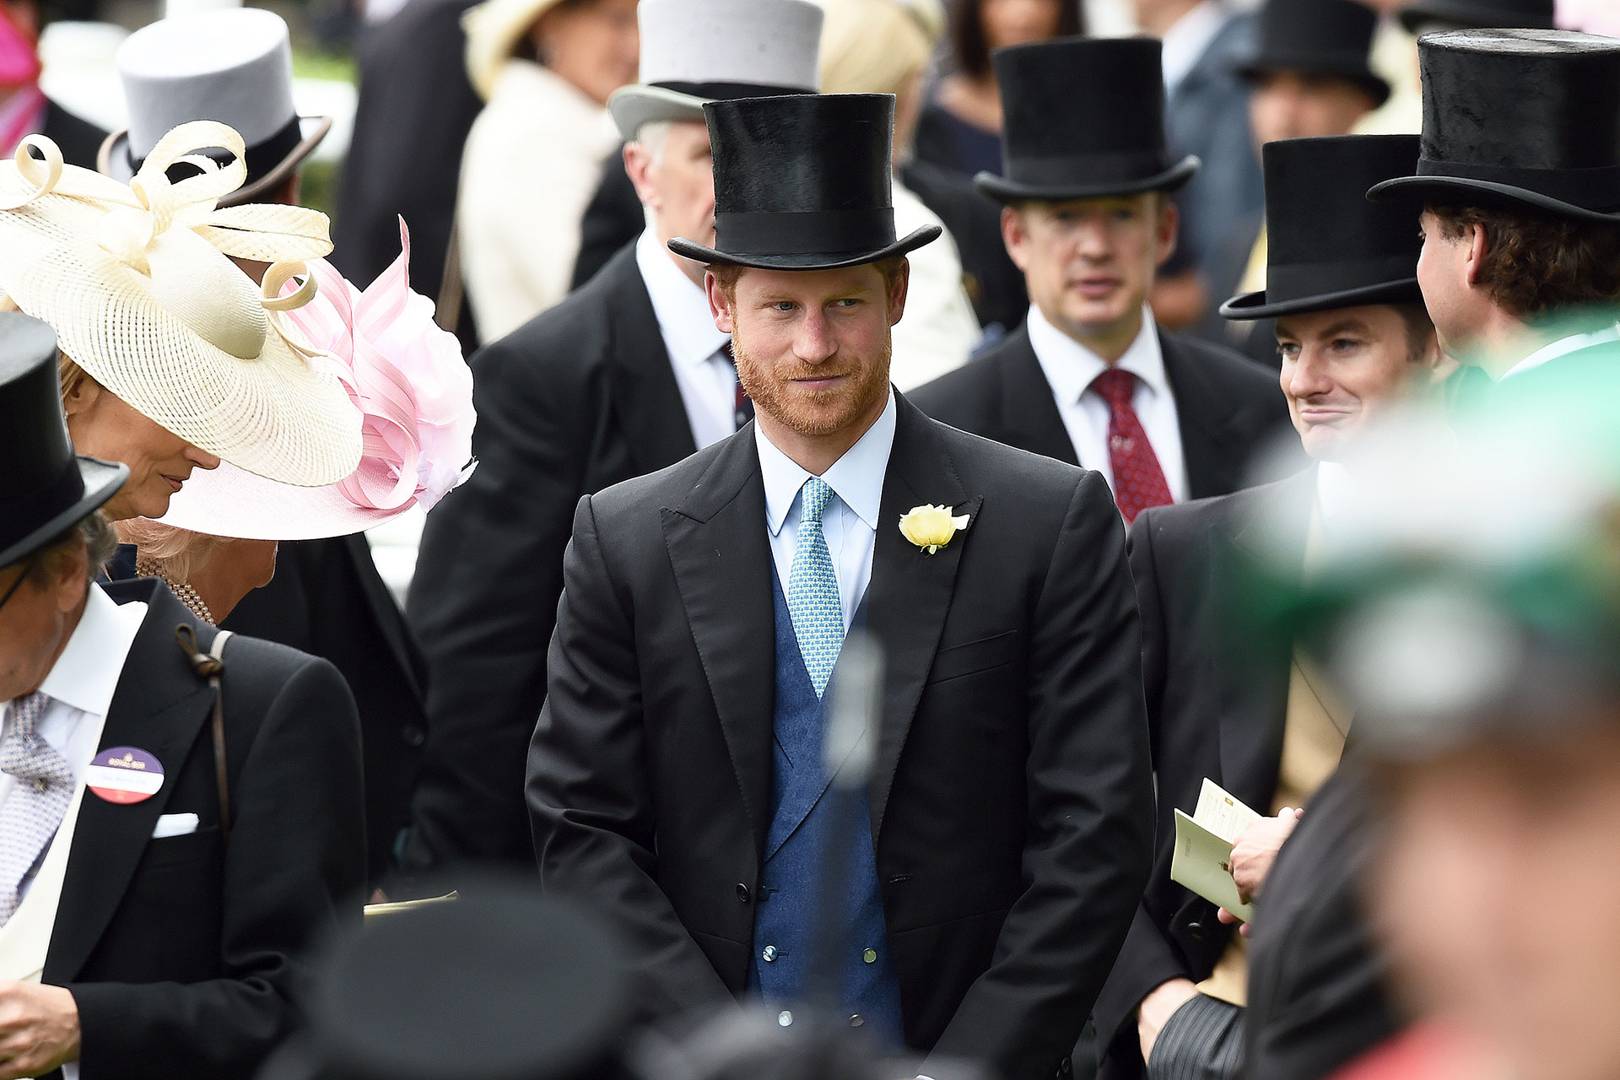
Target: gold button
x=870 y=956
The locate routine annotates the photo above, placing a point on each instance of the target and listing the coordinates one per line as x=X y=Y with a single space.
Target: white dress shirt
x=1563 y=347
x=1071 y=368
x=850 y=521
x=706 y=378
x=1187 y=40
x=81 y=685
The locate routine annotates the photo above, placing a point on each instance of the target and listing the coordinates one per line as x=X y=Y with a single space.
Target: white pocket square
x=174 y=825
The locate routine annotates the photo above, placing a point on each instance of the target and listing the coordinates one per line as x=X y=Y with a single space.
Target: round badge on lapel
x=124 y=774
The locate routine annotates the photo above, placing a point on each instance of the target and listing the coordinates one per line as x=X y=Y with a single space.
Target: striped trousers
x=1202 y=1040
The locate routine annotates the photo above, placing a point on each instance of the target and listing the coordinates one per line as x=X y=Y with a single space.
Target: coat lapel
x=1213 y=457
x=720 y=553
x=158 y=706
x=644 y=388
x=910 y=593
x=1255 y=717
x=1030 y=414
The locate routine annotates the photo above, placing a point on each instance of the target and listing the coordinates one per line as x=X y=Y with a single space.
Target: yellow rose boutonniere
x=931 y=527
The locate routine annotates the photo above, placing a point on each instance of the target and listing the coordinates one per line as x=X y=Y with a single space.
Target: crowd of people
x=1092 y=557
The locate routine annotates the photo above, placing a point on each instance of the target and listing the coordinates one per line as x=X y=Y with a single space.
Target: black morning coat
x=188 y=955
x=1228 y=407
x=327 y=599
x=1217 y=705
x=1214 y=710
x=581 y=397
x=1010 y=799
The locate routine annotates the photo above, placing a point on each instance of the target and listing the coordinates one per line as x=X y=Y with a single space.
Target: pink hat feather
x=409 y=379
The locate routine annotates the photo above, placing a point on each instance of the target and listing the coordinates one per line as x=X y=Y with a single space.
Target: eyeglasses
x=27 y=569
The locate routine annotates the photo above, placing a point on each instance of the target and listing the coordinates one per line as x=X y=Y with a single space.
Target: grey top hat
x=693 y=51
x=233 y=66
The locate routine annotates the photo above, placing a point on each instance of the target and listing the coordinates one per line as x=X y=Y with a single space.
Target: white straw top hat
x=494 y=29
x=232 y=66
x=139 y=286
x=694 y=51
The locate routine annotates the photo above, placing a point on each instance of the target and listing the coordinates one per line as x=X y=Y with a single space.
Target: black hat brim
x=1421 y=189
x=1258 y=67
x=1463 y=13
x=1010 y=191
x=805 y=260
x=1254 y=305
x=102 y=479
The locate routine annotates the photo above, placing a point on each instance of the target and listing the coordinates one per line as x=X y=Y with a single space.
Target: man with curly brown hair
x=1521 y=197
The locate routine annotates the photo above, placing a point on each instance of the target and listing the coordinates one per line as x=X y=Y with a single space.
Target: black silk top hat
x=1327 y=246
x=803 y=182
x=1317 y=37
x=1519 y=117
x=502 y=984
x=44 y=488
x=1478 y=14
x=1083 y=118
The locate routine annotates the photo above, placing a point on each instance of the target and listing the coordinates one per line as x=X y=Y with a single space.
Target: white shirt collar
x=1071 y=368
x=87 y=672
x=856 y=478
x=1186 y=41
x=1563 y=347
x=679 y=305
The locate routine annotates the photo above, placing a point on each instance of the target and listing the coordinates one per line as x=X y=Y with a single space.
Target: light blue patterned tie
x=813 y=603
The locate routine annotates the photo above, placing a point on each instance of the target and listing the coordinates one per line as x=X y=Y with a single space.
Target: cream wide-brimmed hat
x=494 y=29
x=138 y=283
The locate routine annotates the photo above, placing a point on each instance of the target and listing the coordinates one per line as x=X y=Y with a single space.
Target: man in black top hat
x=1090 y=379
x=180 y=816
x=1521 y=196
x=1355 y=341
x=1310 y=79
x=1000 y=838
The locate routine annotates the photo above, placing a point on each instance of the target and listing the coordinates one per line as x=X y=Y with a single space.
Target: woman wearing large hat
x=172 y=359
x=546 y=69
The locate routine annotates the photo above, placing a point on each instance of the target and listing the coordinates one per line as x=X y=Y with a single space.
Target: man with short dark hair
x=1354 y=344
x=1087 y=216
x=1521 y=217
x=994 y=817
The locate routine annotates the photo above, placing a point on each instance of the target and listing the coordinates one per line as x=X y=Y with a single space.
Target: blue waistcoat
x=802 y=826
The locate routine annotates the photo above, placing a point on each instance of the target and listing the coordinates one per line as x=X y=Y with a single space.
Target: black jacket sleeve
x=1089 y=847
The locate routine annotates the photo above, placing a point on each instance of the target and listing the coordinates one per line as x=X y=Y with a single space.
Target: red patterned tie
x=1138 y=481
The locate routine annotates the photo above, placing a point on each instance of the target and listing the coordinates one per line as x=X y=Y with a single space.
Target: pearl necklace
x=182 y=590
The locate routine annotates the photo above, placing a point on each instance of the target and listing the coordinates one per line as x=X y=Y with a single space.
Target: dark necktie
x=1138 y=480
x=742 y=407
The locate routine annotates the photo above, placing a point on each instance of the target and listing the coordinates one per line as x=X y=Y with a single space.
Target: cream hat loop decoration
x=139 y=285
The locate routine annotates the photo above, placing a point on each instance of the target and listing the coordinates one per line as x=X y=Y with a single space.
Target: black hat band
x=730 y=91
x=1593 y=189
x=22 y=514
x=809 y=232
x=260 y=158
x=1089 y=169
x=1290 y=281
